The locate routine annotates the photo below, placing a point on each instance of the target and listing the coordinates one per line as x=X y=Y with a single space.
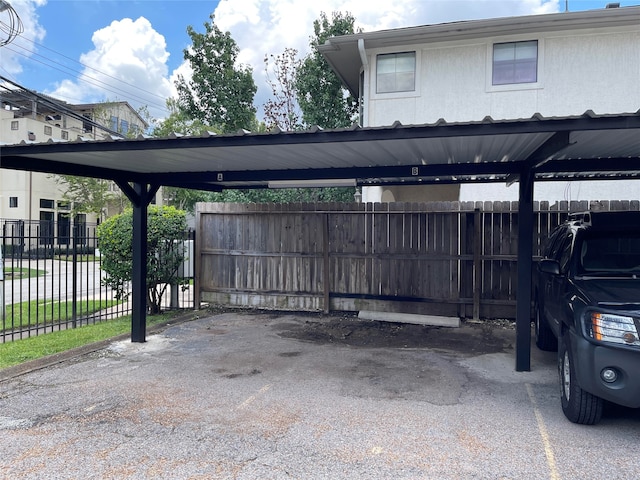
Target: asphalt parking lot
x=278 y=396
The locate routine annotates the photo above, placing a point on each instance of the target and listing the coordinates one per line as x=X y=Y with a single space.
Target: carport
x=582 y=147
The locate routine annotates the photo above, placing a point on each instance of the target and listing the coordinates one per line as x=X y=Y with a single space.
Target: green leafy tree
x=220 y=92
x=286 y=195
x=166 y=227
x=88 y=195
x=181 y=122
x=322 y=99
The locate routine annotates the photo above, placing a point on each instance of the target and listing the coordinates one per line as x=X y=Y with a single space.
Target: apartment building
x=37 y=199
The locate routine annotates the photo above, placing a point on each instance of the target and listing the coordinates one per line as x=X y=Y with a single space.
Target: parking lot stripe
x=252 y=398
x=548 y=451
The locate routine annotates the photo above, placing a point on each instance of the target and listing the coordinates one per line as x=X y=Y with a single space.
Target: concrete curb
x=44 y=362
x=432 y=320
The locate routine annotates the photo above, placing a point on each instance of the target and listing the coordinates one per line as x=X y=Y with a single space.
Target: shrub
x=165 y=252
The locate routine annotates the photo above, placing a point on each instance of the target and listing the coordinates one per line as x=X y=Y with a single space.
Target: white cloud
x=128 y=62
x=13 y=54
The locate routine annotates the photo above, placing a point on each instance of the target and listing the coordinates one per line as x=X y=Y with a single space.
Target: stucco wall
x=597 y=71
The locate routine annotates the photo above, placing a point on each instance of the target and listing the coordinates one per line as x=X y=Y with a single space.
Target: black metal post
x=525 y=258
x=74 y=276
x=139 y=274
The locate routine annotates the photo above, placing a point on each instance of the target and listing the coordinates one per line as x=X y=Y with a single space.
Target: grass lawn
x=20 y=273
x=19 y=351
x=42 y=312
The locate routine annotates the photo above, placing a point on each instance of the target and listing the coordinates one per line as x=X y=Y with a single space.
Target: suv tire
x=578 y=406
x=545 y=339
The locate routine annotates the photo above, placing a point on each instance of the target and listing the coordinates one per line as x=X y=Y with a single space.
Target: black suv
x=587 y=306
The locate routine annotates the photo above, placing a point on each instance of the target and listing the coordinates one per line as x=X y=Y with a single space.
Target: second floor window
x=396 y=72
x=124 y=127
x=114 y=123
x=515 y=62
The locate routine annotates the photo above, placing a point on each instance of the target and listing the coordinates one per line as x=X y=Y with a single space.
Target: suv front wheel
x=578 y=406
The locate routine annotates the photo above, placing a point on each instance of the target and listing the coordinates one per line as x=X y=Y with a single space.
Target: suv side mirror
x=549 y=266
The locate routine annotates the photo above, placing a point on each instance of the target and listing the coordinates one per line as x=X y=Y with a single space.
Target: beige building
x=37 y=199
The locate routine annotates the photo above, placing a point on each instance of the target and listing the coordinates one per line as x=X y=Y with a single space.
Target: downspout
x=363 y=53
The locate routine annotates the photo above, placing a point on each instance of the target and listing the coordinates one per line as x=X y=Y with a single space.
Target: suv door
x=558 y=284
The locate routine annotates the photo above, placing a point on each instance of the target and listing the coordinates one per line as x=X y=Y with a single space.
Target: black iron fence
x=52 y=279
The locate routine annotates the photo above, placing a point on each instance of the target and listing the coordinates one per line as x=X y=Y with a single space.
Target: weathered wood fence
x=440 y=258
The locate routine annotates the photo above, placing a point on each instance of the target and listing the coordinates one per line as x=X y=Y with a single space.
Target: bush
x=165 y=252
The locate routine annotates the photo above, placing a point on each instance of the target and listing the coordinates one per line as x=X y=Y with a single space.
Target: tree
x=220 y=92
x=88 y=195
x=322 y=99
x=179 y=121
x=166 y=227
x=286 y=195
x=282 y=110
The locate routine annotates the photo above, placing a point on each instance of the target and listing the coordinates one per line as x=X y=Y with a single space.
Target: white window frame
x=539 y=84
x=396 y=94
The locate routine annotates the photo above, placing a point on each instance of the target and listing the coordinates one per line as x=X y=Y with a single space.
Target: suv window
x=554 y=242
x=565 y=253
x=610 y=252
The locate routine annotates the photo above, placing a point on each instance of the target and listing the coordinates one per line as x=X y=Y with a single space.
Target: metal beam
x=525 y=259
x=140 y=196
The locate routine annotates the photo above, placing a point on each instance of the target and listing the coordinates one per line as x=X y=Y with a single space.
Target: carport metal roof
x=588 y=146
x=580 y=147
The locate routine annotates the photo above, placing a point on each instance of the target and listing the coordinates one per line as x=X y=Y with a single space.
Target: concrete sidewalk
x=272 y=396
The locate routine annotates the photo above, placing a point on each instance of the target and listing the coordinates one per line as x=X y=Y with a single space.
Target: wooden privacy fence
x=439 y=258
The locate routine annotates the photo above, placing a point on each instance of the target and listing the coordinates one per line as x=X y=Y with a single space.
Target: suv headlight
x=607 y=327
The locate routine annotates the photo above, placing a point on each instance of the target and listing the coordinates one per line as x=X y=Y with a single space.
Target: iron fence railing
x=52 y=279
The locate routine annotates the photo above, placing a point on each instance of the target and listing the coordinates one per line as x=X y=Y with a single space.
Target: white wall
x=598 y=71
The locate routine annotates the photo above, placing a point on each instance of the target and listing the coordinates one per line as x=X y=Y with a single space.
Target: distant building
x=30 y=117
x=555 y=65
x=34 y=198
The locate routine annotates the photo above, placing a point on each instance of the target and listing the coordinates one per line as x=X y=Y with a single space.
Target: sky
x=85 y=51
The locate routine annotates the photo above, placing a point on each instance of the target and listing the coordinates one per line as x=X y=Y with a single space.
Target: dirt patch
x=473 y=339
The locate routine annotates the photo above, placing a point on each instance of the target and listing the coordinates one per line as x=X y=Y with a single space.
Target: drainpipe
x=363 y=52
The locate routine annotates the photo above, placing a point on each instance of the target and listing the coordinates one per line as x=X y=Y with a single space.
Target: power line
x=84 y=78
x=87 y=66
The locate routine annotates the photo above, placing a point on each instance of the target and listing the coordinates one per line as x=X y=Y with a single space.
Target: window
x=46 y=203
x=86 y=125
x=515 y=62
x=13 y=202
x=124 y=127
x=15 y=125
x=64 y=134
x=396 y=72
x=114 y=124
x=47 y=130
